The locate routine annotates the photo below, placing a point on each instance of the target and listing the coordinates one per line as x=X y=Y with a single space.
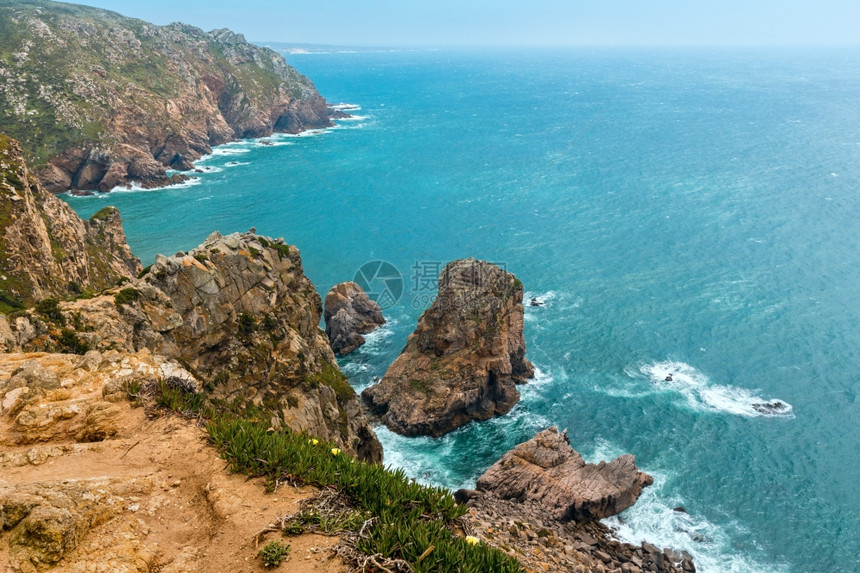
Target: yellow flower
x=335 y=451
x=471 y=540
x=313 y=441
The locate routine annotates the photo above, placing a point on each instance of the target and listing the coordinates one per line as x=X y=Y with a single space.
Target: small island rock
x=464 y=358
x=548 y=471
x=349 y=313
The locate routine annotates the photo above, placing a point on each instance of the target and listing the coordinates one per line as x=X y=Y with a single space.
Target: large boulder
x=464 y=358
x=349 y=313
x=546 y=470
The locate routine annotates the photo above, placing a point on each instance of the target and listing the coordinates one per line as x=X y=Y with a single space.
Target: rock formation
x=238 y=313
x=349 y=313
x=45 y=248
x=464 y=358
x=99 y=100
x=546 y=470
x=525 y=531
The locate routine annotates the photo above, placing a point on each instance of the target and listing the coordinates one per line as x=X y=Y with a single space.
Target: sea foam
x=653 y=518
x=701 y=394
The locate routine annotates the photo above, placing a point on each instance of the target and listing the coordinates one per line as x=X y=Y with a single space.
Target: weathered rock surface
x=464 y=358
x=241 y=316
x=546 y=470
x=349 y=313
x=525 y=531
x=99 y=100
x=45 y=248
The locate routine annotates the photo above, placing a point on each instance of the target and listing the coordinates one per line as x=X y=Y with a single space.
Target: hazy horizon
x=505 y=23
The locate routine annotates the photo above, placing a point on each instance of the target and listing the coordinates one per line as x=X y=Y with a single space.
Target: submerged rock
x=464 y=358
x=349 y=313
x=546 y=470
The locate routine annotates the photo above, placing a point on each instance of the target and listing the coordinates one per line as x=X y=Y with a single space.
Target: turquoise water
x=685 y=212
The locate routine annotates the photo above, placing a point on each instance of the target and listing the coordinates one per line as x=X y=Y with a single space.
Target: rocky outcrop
x=241 y=316
x=99 y=100
x=349 y=313
x=525 y=531
x=464 y=358
x=46 y=250
x=547 y=471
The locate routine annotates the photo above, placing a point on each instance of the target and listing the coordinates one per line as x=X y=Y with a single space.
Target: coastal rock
x=546 y=470
x=110 y=101
x=464 y=358
x=46 y=250
x=349 y=313
x=525 y=531
x=242 y=318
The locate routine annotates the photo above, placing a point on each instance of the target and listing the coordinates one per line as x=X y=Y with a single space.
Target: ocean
x=676 y=211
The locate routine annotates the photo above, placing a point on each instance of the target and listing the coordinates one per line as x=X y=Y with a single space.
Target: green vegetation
x=143 y=272
x=126 y=296
x=402 y=518
x=49 y=309
x=247 y=325
x=71 y=343
x=409 y=517
x=273 y=553
x=104 y=214
x=335 y=522
x=64 y=89
x=9 y=303
x=181 y=400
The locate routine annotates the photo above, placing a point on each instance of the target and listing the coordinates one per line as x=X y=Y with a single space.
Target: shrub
x=49 y=309
x=70 y=342
x=126 y=296
x=273 y=553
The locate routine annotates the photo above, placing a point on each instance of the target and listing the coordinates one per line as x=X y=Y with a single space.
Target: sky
x=449 y=23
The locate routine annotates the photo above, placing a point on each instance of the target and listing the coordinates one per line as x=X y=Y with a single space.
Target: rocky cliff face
x=241 y=316
x=45 y=248
x=463 y=359
x=548 y=471
x=99 y=100
x=349 y=313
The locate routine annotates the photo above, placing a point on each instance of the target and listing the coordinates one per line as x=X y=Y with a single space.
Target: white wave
x=137 y=188
x=308 y=133
x=653 y=519
x=345 y=106
x=236 y=163
x=353 y=118
x=210 y=169
x=702 y=395
x=223 y=150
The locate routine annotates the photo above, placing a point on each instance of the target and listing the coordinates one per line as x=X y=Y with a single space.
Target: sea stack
x=349 y=313
x=463 y=360
x=546 y=470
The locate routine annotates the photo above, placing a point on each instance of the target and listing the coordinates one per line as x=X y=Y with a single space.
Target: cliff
x=46 y=250
x=99 y=100
x=241 y=316
x=464 y=358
